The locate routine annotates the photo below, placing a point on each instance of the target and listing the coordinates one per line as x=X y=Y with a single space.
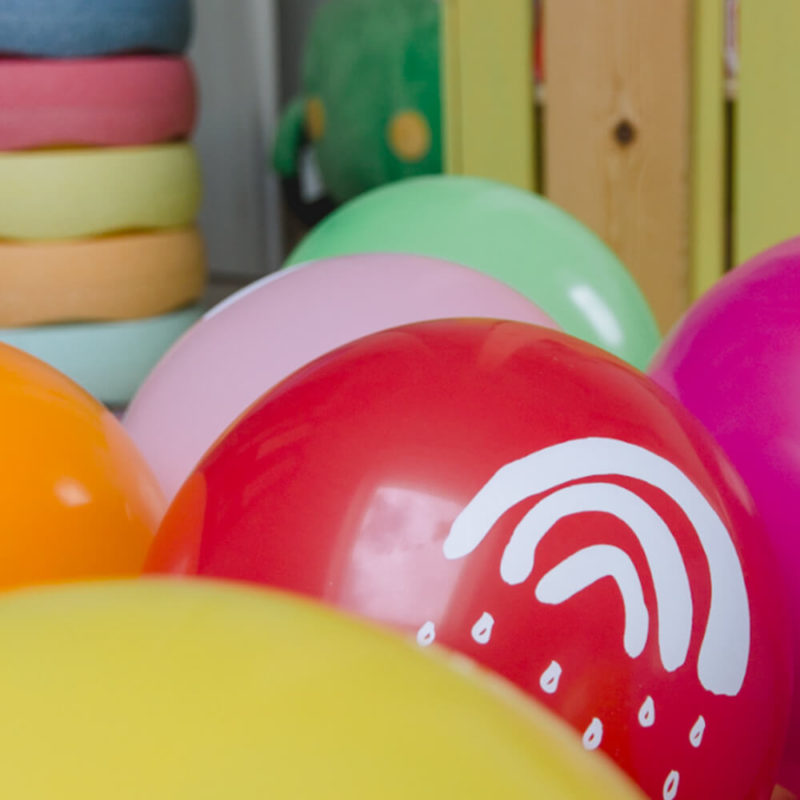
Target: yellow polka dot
x=409 y=135
x=315 y=119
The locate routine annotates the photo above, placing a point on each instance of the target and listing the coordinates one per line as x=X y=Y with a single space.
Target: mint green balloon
x=513 y=235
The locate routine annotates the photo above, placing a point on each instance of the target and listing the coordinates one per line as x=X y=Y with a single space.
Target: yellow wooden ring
x=66 y=193
x=109 y=278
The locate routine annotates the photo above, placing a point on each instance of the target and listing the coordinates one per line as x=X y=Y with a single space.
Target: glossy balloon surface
x=178 y=690
x=76 y=497
x=515 y=236
x=533 y=502
x=734 y=362
x=255 y=338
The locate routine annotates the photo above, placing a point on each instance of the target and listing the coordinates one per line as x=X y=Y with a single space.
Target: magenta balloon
x=257 y=337
x=734 y=361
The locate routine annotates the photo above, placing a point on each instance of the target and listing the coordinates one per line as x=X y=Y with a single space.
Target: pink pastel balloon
x=734 y=361
x=260 y=335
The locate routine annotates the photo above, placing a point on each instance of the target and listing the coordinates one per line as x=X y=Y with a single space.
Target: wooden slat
x=618 y=77
x=488 y=89
x=767 y=141
x=708 y=149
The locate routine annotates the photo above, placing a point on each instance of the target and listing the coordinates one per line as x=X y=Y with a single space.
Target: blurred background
x=256 y=46
x=669 y=129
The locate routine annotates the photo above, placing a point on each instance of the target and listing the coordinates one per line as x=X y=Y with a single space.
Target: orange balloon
x=77 y=499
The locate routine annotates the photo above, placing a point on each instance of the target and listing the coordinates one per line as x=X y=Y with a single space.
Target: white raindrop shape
x=697 y=731
x=647 y=712
x=671 y=785
x=593 y=735
x=549 y=679
x=426 y=634
x=482 y=629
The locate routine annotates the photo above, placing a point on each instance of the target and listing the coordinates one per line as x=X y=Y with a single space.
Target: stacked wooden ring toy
x=101 y=266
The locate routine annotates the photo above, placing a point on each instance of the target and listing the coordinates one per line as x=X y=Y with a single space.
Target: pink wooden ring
x=127 y=100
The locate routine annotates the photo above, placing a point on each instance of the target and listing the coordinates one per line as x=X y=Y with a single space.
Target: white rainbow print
x=725 y=649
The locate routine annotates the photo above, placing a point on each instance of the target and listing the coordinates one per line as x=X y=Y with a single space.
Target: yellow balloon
x=186 y=690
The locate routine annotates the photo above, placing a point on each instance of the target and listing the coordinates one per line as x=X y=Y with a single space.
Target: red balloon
x=533 y=502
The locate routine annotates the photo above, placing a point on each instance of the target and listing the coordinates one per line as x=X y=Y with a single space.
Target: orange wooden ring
x=109 y=278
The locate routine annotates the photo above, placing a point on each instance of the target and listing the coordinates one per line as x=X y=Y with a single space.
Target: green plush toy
x=371 y=101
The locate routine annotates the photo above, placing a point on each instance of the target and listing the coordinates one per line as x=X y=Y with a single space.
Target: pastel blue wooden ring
x=109 y=359
x=80 y=28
